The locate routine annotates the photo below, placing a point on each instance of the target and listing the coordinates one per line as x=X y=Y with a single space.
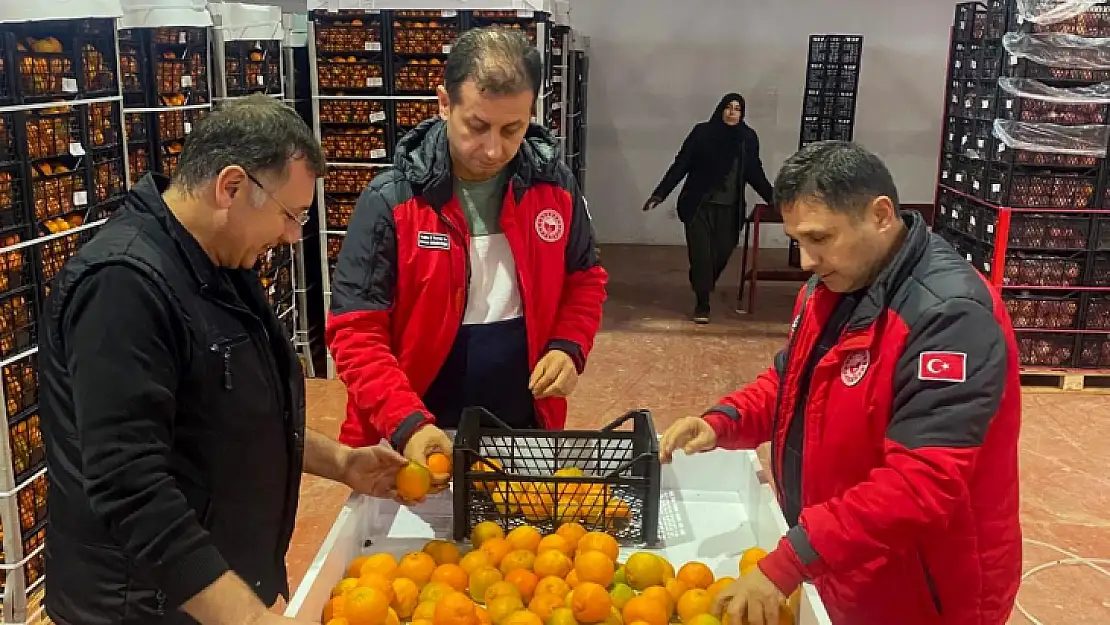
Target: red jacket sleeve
x=932 y=443
x=359 y=327
x=579 y=315
x=744 y=419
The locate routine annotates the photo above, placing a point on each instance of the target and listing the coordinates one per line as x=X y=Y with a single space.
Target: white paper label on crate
x=378 y=153
x=373 y=46
x=557 y=51
x=69 y=85
x=969 y=258
x=963 y=140
x=186 y=81
x=996 y=188
x=261 y=80
x=447 y=49
x=986 y=267
x=973 y=66
x=182 y=37
x=975 y=185
x=1013 y=60
x=374 y=81
x=76 y=149
x=377 y=116
x=955 y=214
x=188 y=127
x=959 y=177
x=556 y=106
x=450 y=13
x=971 y=220
x=990 y=228
x=525 y=13
x=1001 y=147
x=959 y=63
x=986 y=104
x=944 y=175
x=80 y=198
x=557 y=78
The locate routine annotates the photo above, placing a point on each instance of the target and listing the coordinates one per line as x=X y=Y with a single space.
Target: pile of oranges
x=570 y=577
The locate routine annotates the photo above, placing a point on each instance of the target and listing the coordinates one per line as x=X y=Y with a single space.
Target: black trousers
x=711 y=237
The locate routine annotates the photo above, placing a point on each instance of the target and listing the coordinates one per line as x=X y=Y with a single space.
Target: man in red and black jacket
x=893 y=414
x=469 y=274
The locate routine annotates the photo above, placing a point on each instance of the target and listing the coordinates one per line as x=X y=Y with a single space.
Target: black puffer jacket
x=173 y=416
x=700 y=161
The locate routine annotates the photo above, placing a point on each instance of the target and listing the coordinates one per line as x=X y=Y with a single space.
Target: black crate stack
x=1022 y=184
x=832 y=81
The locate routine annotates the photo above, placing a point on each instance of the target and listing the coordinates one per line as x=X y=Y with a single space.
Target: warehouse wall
x=659 y=66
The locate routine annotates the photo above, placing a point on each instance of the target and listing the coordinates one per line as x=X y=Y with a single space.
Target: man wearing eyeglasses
x=172 y=403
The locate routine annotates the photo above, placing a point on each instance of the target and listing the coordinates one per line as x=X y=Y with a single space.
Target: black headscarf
x=725 y=141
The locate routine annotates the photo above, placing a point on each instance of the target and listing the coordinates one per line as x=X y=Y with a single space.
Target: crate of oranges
x=607 y=480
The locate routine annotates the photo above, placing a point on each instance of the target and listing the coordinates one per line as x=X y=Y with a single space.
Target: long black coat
x=696 y=161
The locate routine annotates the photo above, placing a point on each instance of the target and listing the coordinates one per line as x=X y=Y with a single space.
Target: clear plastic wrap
x=1037 y=90
x=1087 y=140
x=1060 y=50
x=1051 y=11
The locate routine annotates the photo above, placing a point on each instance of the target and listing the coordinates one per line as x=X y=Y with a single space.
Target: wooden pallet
x=1065 y=379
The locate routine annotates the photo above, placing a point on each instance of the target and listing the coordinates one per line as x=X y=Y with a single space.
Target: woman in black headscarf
x=719 y=158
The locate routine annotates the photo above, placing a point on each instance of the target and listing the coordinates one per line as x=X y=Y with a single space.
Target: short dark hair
x=499 y=60
x=258 y=133
x=842 y=174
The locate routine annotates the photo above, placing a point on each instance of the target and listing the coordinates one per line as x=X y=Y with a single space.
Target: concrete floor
x=648 y=355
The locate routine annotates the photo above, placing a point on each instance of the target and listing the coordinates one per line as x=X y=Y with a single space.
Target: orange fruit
x=519 y=559
x=481 y=580
x=590 y=603
x=418 y=567
x=525 y=581
x=421 y=621
x=543 y=605
x=552 y=563
x=451 y=574
x=553 y=585
x=525 y=537
x=749 y=559
x=637 y=622
x=598 y=541
x=555 y=542
x=523 y=617
x=668 y=570
x=696 y=575
x=615 y=617
x=496 y=549
x=483 y=615
x=338 y=621
x=692 y=603
x=455 y=609
x=354 y=569
x=501 y=607
x=333 y=608
x=594 y=566
x=621 y=594
x=442 y=551
x=646 y=610
x=562 y=616
x=501 y=589
x=484 y=531
x=662 y=597
x=406 y=596
x=716 y=587
x=474 y=560
x=345 y=585
x=676 y=588
x=413 y=481
x=482 y=466
x=439 y=464
x=705 y=619
x=383 y=564
x=643 y=570
x=378 y=583
x=365 y=606
x=424 y=611
x=571 y=532
x=434 y=591
x=572 y=579
x=391 y=617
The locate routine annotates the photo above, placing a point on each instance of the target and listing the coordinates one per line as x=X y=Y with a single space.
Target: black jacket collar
x=897 y=271
x=424 y=159
x=146 y=197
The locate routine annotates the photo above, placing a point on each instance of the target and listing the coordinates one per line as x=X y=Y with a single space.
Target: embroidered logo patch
x=433 y=241
x=942 y=366
x=549 y=225
x=855 y=367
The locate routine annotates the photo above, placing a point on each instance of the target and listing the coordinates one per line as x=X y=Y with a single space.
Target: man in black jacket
x=173 y=405
x=719 y=159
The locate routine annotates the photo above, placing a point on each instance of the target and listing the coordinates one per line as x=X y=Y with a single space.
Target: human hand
x=554 y=376
x=652 y=203
x=690 y=434
x=276 y=619
x=752 y=600
x=426 y=441
x=372 y=470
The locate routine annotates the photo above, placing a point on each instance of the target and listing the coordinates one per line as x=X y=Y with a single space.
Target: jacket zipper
x=931 y=583
x=776 y=463
x=466 y=263
x=223 y=347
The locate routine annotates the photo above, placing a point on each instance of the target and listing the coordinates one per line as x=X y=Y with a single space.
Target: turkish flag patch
x=942 y=366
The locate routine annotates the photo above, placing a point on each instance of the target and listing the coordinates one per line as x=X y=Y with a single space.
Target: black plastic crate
x=1100 y=270
x=1047 y=349
x=96 y=46
x=1042 y=111
x=1001 y=153
x=1102 y=235
x=107 y=177
x=416 y=76
x=9 y=147
x=339 y=212
x=508 y=477
x=5 y=73
x=104 y=130
x=1094 y=352
x=32 y=504
x=350 y=74
x=955 y=97
x=46 y=69
x=133 y=63
x=28 y=452
x=17 y=321
x=355 y=144
x=54 y=253
x=138 y=163
x=335 y=243
x=279 y=288
x=349 y=180
x=969 y=22
x=52 y=132
x=1044 y=311
x=252 y=67
x=1041 y=270
x=35 y=566
x=1026 y=68
x=138 y=125
x=1095 y=22
x=180 y=59
x=12 y=193
x=359 y=112
x=1042 y=189
x=15 y=265
x=959 y=214
x=21 y=385
x=175 y=125
x=1040 y=231
x=57 y=192
x=348 y=32
x=433 y=37
x=1097 y=315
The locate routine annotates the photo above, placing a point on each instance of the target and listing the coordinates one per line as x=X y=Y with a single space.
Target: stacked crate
x=832 y=81
x=1022 y=189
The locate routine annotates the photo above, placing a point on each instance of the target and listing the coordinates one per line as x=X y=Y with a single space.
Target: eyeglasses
x=301 y=218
